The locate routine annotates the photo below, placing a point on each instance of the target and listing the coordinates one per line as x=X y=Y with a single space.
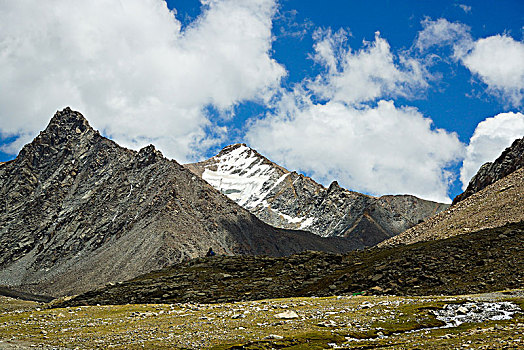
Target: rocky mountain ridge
x=496 y=205
x=290 y=200
x=79 y=211
x=511 y=159
x=457 y=265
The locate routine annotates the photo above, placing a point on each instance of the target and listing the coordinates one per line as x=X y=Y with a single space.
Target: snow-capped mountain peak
x=289 y=200
x=243 y=175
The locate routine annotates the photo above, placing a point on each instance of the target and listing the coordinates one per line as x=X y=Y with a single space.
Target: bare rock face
x=79 y=211
x=509 y=161
x=289 y=200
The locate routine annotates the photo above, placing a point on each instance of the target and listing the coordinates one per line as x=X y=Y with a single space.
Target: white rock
x=274 y=336
x=462 y=310
x=287 y=315
x=366 y=305
x=329 y=323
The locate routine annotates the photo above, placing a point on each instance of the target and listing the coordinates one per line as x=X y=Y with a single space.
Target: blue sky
x=415 y=108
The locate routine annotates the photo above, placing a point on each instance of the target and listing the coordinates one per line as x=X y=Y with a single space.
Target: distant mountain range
x=289 y=200
x=79 y=211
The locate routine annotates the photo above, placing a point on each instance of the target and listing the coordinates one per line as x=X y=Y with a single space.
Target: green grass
x=359 y=323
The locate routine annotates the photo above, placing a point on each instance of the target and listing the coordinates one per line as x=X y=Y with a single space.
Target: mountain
x=458 y=265
x=79 y=211
x=494 y=206
x=509 y=161
x=289 y=200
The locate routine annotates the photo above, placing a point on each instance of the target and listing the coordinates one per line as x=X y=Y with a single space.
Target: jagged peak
x=64 y=126
x=149 y=154
x=150 y=150
x=240 y=148
x=333 y=186
x=69 y=119
x=233 y=147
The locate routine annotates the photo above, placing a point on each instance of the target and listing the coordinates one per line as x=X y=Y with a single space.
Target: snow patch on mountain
x=304 y=222
x=243 y=176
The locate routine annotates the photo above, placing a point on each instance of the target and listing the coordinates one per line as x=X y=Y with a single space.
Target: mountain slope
x=458 y=265
x=494 y=197
x=290 y=200
x=496 y=205
x=509 y=161
x=79 y=211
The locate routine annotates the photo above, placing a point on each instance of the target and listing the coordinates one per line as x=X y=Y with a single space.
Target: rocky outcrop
x=496 y=205
x=509 y=161
x=79 y=211
x=289 y=200
x=458 y=265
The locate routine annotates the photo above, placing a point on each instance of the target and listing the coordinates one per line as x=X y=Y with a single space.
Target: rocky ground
x=483 y=261
x=496 y=205
x=490 y=321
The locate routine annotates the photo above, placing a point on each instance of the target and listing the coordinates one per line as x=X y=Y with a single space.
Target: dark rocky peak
x=68 y=132
x=334 y=187
x=511 y=159
x=149 y=155
x=68 y=117
x=67 y=123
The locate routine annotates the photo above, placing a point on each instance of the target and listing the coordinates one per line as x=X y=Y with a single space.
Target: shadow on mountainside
x=484 y=261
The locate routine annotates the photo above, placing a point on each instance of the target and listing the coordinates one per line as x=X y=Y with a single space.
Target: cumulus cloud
x=363 y=75
x=441 y=32
x=357 y=137
x=490 y=138
x=376 y=150
x=498 y=60
x=131 y=69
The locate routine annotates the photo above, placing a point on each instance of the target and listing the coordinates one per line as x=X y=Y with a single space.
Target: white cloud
x=465 y=8
x=498 y=60
x=490 y=138
x=377 y=148
x=364 y=75
x=441 y=32
x=131 y=70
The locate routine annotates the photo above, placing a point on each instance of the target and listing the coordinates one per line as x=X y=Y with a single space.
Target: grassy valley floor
x=344 y=322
